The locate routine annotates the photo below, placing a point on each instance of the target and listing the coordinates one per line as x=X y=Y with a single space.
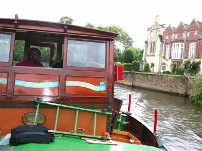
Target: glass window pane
x=86 y=54
x=5 y=41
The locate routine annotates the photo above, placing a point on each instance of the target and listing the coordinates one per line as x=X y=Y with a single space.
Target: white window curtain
x=167 y=51
x=192 y=50
x=178 y=51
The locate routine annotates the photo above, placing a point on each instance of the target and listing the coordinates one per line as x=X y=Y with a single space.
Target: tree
x=90 y=25
x=66 y=19
x=122 y=41
x=137 y=54
x=128 y=56
x=116 y=55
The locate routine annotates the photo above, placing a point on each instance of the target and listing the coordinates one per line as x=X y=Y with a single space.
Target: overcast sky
x=134 y=16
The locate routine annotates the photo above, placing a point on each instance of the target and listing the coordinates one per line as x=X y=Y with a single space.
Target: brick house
x=181 y=44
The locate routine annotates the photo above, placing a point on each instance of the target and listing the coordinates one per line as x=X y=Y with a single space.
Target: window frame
x=192 y=52
x=66 y=67
x=178 y=51
x=9 y=63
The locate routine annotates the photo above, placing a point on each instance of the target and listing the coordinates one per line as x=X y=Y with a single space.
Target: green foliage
x=19 y=50
x=128 y=56
x=192 y=68
x=137 y=54
x=116 y=55
x=136 y=66
x=120 y=58
x=179 y=71
x=196 y=93
x=90 y=25
x=66 y=19
x=152 y=65
x=123 y=37
x=166 y=72
x=127 y=67
x=146 y=68
x=173 y=70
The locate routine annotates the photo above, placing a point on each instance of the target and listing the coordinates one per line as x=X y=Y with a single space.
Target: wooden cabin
x=78 y=69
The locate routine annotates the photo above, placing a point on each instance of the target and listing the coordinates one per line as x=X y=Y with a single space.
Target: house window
x=178 y=51
x=176 y=36
x=184 y=35
x=173 y=36
x=86 y=54
x=167 y=51
x=5 y=40
x=195 y=33
x=166 y=37
x=192 y=50
x=187 y=34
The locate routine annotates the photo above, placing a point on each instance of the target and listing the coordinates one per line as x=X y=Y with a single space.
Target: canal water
x=179 y=120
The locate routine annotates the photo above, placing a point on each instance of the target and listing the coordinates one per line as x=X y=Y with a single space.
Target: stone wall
x=167 y=83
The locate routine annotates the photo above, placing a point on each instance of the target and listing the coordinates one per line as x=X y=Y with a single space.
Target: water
x=179 y=120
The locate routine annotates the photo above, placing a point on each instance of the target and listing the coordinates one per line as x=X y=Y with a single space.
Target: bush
x=128 y=56
x=136 y=66
x=166 y=72
x=196 y=93
x=192 y=68
x=146 y=68
x=127 y=67
x=173 y=70
x=179 y=71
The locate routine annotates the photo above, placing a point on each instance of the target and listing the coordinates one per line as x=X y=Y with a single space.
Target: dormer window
x=184 y=35
x=195 y=33
x=166 y=37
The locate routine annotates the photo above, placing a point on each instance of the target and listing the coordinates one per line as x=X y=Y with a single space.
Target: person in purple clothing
x=34 y=57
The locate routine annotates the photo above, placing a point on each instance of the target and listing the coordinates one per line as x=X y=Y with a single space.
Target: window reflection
x=86 y=54
x=5 y=41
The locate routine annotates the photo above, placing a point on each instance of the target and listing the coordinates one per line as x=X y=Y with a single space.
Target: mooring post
x=155 y=120
x=129 y=104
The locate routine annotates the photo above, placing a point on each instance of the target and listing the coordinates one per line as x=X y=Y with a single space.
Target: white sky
x=134 y=16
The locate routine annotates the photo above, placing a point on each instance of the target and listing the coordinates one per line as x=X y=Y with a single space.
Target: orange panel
x=3 y=83
x=86 y=86
x=66 y=120
x=31 y=84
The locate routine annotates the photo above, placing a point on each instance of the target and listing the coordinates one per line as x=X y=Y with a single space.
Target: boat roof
x=77 y=144
x=57 y=27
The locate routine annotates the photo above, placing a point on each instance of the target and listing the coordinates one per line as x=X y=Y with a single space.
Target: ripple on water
x=179 y=120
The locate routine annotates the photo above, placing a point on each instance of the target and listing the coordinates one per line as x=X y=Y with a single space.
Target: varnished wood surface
x=3 y=86
x=78 y=90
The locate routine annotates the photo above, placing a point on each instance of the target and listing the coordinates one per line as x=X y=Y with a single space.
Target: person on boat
x=34 y=57
x=70 y=58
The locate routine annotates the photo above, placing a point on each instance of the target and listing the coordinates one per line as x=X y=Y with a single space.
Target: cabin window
x=5 y=41
x=86 y=54
x=50 y=46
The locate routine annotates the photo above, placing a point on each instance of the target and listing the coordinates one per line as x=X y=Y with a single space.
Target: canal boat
x=71 y=91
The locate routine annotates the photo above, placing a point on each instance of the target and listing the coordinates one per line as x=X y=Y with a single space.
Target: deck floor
x=77 y=144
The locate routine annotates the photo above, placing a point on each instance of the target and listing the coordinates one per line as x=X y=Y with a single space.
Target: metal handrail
x=38 y=101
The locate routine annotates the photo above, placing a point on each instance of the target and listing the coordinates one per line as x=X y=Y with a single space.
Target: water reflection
x=179 y=120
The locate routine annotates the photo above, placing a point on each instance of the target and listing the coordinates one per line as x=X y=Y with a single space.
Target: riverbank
x=178 y=85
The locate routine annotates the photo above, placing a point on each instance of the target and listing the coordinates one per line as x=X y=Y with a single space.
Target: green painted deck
x=77 y=144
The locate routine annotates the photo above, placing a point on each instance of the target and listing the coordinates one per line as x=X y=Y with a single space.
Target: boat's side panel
x=86 y=86
x=12 y=117
x=33 y=84
x=3 y=83
x=143 y=133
